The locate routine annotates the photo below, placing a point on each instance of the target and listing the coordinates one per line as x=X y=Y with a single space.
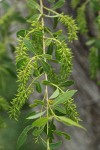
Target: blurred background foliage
x=11 y=19
x=93 y=39
x=13 y=16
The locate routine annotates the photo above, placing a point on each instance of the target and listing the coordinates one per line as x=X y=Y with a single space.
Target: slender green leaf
x=52 y=127
x=34 y=5
x=90 y=42
x=55 y=145
x=30 y=114
x=36 y=72
x=38 y=87
x=29 y=45
x=36 y=115
x=54 y=61
x=67 y=83
x=58 y=4
x=46 y=82
x=69 y=122
x=23 y=136
x=47 y=56
x=64 y=97
x=55 y=94
x=20 y=62
x=33 y=105
x=39 y=102
x=56 y=20
x=57 y=33
x=21 y=33
x=61 y=109
x=40 y=122
x=37 y=132
x=34 y=17
x=50 y=48
x=60 y=133
x=48 y=42
x=36 y=103
x=46 y=66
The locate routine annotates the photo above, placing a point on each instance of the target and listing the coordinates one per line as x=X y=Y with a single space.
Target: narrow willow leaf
x=50 y=48
x=39 y=102
x=34 y=17
x=37 y=132
x=23 y=136
x=63 y=37
x=52 y=127
x=29 y=45
x=33 y=105
x=36 y=72
x=60 y=133
x=46 y=66
x=90 y=42
x=21 y=33
x=38 y=87
x=55 y=94
x=67 y=83
x=69 y=122
x=20 y=62
x=54 y=61
x=48 y=42
x=40 y=69
x=47 y=56
x=58 y=33
x=46 y=82
x=64 y=97
x=61 y=109
x=56 y=20
x=58 y=4
x=40 y=122
x=30 y=114
x=36 y=115
x=34 y=5
x=55 y=145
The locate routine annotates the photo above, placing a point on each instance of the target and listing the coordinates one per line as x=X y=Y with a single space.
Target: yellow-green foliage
x=82 y=23
x=64 y=55
x=38 y=49
x=71 y=27
x=81 y=19
x=93 y=60
x=3 y=106
x=2 y=49
x=98 y=20
x=74 y=3
x=25 y=67
x=5 y=18
x=26 y=64
x=71 y=110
